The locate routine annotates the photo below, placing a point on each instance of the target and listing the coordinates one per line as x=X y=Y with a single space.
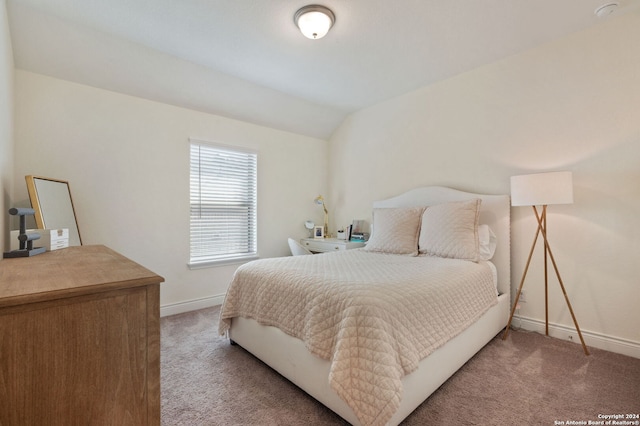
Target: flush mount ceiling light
x=606 y=9
x=314 y=21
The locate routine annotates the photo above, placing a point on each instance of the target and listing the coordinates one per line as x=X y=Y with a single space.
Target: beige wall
x=126 y=159
x=571 y=105
x=6 y=125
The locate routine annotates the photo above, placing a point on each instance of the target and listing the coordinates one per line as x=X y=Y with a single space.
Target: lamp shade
x=541 y=189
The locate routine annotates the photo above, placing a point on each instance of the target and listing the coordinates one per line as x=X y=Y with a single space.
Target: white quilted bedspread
x=374 y=316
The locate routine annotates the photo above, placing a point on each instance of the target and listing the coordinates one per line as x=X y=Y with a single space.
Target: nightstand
x=324 y=245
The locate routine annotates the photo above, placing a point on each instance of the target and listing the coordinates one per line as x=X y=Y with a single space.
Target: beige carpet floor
x=529 y=379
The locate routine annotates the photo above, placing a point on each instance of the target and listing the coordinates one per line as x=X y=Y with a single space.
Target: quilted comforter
x=373 y=316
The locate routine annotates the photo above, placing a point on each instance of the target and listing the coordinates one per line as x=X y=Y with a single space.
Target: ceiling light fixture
x=606 y=9
x=314 y=21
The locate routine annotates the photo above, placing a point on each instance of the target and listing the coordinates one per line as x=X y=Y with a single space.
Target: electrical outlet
x=523 y=297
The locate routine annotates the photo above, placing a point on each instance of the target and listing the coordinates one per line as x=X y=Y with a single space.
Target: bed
x=373 y=365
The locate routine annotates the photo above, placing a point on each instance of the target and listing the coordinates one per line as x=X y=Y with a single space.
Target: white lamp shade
x=314 y=21
x=541 y=189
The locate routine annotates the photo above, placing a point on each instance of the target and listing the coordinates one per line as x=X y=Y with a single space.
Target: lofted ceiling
x=246 y=60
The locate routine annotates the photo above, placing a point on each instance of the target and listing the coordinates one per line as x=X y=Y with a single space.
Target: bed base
x=289 y=357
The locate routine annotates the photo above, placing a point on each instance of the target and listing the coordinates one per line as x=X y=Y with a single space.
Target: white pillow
x=451 y=230
x=487 y=242
x=395 y=230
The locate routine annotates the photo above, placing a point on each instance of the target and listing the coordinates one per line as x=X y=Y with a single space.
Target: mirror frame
x=41 y=222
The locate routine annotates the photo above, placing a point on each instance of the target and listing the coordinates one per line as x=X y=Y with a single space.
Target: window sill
x=221 y=262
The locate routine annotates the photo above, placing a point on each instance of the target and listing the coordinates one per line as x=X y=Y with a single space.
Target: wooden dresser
x=79 y=339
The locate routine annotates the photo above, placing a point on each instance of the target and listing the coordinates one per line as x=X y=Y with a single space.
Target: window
x=223 y=197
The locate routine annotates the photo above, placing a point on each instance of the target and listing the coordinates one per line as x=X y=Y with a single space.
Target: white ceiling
x=245 y=59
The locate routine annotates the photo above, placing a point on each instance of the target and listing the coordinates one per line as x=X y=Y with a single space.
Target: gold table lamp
x=320 y=201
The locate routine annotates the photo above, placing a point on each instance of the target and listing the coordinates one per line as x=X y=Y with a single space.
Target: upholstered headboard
x=495 y=211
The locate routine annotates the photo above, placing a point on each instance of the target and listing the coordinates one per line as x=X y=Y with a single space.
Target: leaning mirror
x=53 y=206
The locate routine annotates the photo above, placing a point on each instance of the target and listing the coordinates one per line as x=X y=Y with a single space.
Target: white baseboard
x=595 y=340
x=191 y=305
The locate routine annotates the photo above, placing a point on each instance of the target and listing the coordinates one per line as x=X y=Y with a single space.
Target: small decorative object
x=50 y=239
x=357 y=231
x=318 y=232
x=341 y=234
x=26 y=240
x=309 y=225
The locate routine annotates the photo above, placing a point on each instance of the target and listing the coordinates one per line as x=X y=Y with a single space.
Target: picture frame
x=318 y=232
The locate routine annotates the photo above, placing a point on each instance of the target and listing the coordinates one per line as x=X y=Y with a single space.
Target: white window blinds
x=223 y=204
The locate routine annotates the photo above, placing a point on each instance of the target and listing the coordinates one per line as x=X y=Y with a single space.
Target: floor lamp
x=543 y=189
